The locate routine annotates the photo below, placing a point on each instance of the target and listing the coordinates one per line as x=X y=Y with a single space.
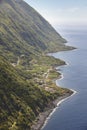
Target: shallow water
x=72 y=113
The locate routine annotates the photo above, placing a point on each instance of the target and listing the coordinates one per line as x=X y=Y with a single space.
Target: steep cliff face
x=24 y=31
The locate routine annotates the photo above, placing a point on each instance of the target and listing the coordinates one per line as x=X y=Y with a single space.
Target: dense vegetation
x=26 y=72
x=22 y=100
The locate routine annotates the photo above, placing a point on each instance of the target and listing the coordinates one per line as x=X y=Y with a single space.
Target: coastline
x=43 y=117
x=57 y=103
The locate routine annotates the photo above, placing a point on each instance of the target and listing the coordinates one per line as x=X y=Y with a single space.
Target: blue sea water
x=72 y=113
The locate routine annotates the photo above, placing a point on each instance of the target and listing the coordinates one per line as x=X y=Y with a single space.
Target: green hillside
x=24 y=31
x=20 y=100
x=27 y=74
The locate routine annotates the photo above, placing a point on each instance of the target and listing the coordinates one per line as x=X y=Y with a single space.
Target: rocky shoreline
x=43 y=117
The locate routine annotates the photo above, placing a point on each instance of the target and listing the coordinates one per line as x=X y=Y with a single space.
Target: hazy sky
x=62 y=12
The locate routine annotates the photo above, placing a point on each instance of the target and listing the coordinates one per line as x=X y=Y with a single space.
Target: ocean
x=72 y=113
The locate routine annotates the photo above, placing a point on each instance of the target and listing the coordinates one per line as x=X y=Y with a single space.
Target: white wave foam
x=58 y=104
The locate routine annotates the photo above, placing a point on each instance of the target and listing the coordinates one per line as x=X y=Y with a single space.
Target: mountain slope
x=26 y=73
x=24 y=31
x=21 y=101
